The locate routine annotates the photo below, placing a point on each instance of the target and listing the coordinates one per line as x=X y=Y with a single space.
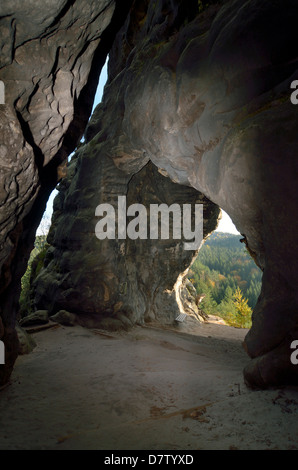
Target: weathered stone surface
x=51 y=57
x=11 y=346
x=130 y=281
x=206 y=98
x=274 y=367
x=38 y=317
x=202 y=96
x=189 y=299
x=1 y=329
x=46 y=62
x=64 y=318
x=26 y=342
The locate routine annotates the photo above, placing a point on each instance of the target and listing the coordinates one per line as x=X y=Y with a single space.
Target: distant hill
x=224 y=265
x=225 y=240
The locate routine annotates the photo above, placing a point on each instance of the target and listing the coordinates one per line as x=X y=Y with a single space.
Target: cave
x=197 y=109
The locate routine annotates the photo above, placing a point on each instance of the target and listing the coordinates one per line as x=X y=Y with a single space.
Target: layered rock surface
x=202 y=95
x=121 y=281
x=51 y=57
x=206 y=98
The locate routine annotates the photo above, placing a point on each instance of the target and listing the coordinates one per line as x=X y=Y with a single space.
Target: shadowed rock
x=208 y=102
x=51 y=57
x=203 y=97
x=130 y=281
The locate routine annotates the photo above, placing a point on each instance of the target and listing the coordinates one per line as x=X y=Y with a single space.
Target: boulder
x=26 y=342
x=39 y=317
x=64 y=318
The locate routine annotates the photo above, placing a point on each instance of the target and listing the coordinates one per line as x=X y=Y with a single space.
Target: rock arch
x=205 y=97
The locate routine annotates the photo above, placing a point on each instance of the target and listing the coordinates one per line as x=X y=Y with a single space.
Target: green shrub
x=34 y=266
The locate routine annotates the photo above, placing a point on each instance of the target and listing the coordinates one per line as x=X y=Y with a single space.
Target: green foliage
x=235 y=311
x=201 y=6
x=228 y=277
x=243 y=311
x=35 y=264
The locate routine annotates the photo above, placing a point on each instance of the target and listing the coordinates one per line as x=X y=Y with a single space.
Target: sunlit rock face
x=201 y=97
x=205 y=96
x=51 y=57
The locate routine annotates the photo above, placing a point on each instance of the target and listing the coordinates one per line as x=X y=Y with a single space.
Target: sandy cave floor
x=150 y=388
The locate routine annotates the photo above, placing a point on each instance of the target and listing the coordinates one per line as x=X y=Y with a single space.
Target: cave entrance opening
x=46 y=219
x=226 y=278
x=40 y=244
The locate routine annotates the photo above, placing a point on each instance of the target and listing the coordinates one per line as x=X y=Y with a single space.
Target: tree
x=35 y=263
x=208 y=304
x=243 y=311
x=223 y=270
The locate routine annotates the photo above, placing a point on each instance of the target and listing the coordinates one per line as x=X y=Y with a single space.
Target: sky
x=225 y=225
x=101 y=83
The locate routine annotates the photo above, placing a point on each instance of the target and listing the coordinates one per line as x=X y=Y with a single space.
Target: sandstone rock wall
x=115 y=282
x=130 y=280
x=51 y=57
x=203 y=95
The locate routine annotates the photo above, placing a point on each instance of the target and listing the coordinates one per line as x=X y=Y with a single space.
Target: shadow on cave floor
x=149 y=388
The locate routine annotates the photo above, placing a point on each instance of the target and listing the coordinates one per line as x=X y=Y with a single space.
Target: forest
x=227 y=278
x=223 y=274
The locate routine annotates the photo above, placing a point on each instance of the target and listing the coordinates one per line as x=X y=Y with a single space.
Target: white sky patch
x=226 y=225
